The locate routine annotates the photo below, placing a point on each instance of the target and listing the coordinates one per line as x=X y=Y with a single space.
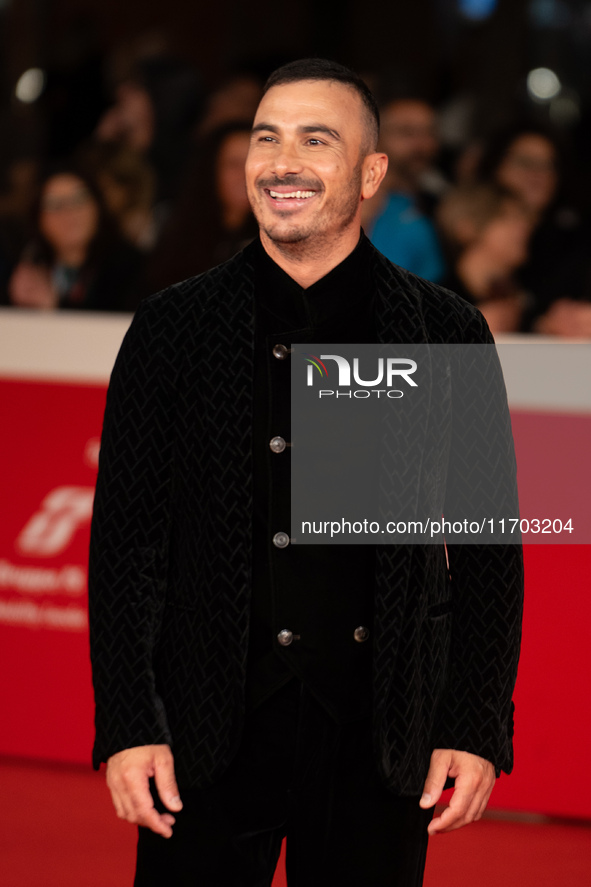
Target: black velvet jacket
x=171 y=542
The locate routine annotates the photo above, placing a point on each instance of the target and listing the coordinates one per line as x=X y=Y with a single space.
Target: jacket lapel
x=399 y=320
x=227 y=379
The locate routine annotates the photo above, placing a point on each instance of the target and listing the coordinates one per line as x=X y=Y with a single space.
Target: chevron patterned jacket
x=169 y=578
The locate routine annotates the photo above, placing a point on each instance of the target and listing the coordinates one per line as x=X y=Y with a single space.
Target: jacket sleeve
x=486 y=579
x=129 y=537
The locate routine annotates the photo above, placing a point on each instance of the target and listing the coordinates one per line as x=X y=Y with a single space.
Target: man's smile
x=288 y=198
x=277 y=195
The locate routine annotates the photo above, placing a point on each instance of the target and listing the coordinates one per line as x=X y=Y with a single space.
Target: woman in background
x=486 y=231
x=213 y=220
x=128 y=185
x=527 y=160
x=75 y=257
x=156 y=107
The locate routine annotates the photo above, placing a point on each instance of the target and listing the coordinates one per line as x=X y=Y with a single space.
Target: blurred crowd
x=156 y=194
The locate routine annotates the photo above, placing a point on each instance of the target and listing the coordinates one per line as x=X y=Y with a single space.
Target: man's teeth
x=280 y=196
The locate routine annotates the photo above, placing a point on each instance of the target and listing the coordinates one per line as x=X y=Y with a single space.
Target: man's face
x=409 y=137
x=305 y=165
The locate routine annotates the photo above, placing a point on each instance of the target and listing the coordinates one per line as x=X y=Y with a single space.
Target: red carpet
x=58 y=829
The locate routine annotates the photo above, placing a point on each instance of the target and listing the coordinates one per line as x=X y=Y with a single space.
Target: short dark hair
x=325 y=69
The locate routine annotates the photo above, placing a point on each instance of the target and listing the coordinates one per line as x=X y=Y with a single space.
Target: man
x=320 y=693
x=398 y=219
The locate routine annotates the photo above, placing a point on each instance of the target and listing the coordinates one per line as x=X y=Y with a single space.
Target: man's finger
x=156 y=822
x=472 y=791
x=438 y=770
x=144 y=813
x=166 y=782
x=119 y=796
x=139 y=797
x=447 y=822
x=149 y=817
x=484 y=801
x=117 y=803
x=454 y=816
x=451 y=818
x=124 y=806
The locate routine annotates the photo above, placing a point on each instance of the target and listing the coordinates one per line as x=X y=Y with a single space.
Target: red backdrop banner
x=48 y=459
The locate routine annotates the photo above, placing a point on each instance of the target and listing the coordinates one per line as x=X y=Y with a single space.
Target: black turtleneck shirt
x=319 y=593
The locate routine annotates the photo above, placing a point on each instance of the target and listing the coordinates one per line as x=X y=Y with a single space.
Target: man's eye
x=315 y=142
x=266 y=139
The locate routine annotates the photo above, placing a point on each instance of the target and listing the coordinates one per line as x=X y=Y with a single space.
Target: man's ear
x=373 y=172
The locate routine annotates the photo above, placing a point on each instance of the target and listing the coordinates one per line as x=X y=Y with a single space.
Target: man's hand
x=475 y=778
x=128 y=773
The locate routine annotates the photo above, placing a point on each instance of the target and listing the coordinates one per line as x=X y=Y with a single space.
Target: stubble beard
x=303 y=242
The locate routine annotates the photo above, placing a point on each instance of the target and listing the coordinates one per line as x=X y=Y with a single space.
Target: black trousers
x=297 y=774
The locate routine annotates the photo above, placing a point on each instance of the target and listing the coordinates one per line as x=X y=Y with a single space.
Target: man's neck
x=307 y=264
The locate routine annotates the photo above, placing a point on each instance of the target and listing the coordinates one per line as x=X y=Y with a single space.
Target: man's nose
x=287 y=160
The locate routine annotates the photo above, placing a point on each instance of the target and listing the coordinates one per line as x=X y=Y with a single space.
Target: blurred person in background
x=17 y=194
x=467 y=162
x=527 y=161
x=487 y=231
x=75 y=257
x=156 y=109
x=236 y=99
x=213 y=220
x=397 y=219
x=127 y=183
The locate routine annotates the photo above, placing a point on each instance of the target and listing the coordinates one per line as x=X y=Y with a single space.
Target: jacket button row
x=286 y=637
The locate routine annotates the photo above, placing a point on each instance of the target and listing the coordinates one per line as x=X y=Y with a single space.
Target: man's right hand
x=128 y=773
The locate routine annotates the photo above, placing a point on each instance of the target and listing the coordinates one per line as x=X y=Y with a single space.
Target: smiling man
x=318 y=693
x=312 y=160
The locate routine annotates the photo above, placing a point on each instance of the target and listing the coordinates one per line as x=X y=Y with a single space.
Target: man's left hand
x=474 y=780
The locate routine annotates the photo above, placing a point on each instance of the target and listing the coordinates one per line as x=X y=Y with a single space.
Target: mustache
x=291 y=181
